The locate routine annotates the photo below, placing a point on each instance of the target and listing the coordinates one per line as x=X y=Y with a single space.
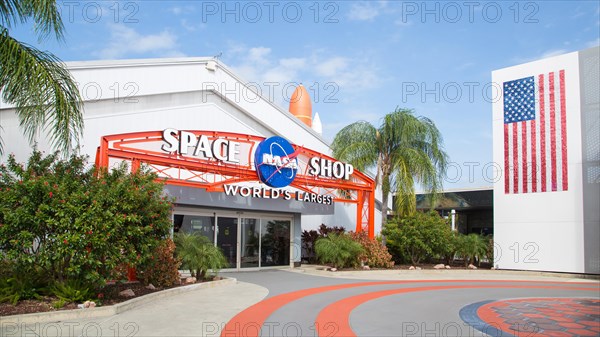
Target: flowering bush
x=77 y=223
x=376 y=255
x=162 y=268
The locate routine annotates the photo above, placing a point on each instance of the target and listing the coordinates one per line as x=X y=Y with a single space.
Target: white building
x=155 y=106
x=547 y=146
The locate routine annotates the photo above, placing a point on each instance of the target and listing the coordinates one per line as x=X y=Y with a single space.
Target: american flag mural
x=535 y=134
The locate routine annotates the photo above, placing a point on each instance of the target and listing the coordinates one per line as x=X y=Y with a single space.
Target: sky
x=359 y=60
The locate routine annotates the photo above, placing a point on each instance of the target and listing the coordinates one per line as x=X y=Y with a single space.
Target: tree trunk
x=385 y=192
x=384 y=208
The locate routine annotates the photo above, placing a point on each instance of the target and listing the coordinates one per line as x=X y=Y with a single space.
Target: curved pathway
x=308 y=305
x=309 y=302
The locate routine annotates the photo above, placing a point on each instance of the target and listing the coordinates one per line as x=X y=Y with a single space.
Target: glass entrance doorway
x=250 y=243
x=227 y=229
x=247 y=240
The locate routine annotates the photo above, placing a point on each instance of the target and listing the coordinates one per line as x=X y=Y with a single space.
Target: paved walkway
x=197 y=313
x=405 y=303
x=565 y=317
x=311 y=302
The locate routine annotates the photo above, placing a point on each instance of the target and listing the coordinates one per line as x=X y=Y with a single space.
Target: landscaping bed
x=108 y=296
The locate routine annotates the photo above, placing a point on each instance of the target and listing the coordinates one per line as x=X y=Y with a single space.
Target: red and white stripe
x=535 y=151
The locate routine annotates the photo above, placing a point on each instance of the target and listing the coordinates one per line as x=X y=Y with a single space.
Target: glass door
x=247 y=240
x=227 y=232
x=275 y=242
x=250 y=243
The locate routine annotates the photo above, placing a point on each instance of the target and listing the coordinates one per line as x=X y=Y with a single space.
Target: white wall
x=541 y=231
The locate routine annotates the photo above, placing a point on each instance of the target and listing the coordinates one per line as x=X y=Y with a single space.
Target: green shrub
x=450 y=249
x=21 y=284
x=309 y=238
x=72 y=291
x=59 y=303
x=376 y=255
x=418 y=237
x=199 y=255
x=473 y=247
x=14 y=289
x=74 y=222
x=339 y=250
x=162 y=268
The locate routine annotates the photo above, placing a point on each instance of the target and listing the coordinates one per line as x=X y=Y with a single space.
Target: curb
x=322 y=271
x=66 y=315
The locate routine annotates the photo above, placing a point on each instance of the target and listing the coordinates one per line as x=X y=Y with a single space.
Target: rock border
x=66 y=315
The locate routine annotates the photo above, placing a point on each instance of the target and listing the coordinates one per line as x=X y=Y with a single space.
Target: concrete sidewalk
x=199 y=312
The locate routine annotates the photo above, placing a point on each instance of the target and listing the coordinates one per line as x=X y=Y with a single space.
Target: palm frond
x=357 y=145
x=407 y=149
x=45 y=14
x=43 y=90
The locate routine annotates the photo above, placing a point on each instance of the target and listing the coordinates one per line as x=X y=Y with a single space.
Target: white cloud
x=293 y=62
x=593 y=43
x=543 y=55
x=364 y=11
x=286 y=70
x=178 y=10
x=319 y=70
x=553 y=52
x=259 y=54
x=356 y=78
x=190 y=27
x=332 y=66
x=126 y=41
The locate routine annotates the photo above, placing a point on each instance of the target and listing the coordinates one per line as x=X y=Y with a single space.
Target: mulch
x=109 y=295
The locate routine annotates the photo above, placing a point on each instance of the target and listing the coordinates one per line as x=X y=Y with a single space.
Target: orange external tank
x=300 y=105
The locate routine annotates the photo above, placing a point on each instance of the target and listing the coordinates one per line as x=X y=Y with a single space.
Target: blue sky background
x=359 y=60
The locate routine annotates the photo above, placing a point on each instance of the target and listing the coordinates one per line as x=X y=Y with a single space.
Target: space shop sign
x=275 y=162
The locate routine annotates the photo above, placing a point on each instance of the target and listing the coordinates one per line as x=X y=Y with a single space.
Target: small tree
x=198 y=254
x=58 y=216
x=473 y=247
x=419 y=236
x=339 y=250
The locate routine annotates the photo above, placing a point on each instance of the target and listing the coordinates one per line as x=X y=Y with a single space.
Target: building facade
x=546 y=146
x=472 y=209
x=243 y=171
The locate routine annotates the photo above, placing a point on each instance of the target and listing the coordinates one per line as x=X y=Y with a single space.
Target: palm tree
x=37 y=82
x=406 y=149
x=198 y=254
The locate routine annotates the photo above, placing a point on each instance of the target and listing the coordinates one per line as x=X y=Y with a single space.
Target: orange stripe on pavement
x=249 y=322
x=334 y=320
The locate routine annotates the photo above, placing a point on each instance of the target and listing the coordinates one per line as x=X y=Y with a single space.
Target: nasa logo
x=275 y=162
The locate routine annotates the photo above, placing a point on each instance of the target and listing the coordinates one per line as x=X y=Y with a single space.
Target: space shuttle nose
x=301 y=106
